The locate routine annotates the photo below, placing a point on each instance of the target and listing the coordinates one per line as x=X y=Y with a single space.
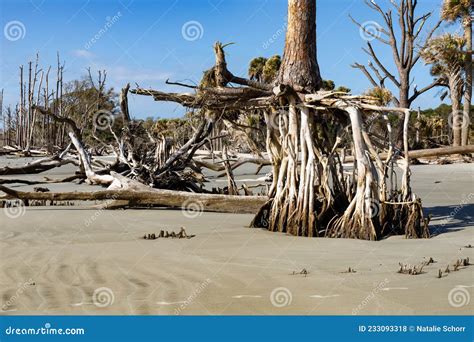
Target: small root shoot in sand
x=166 y=234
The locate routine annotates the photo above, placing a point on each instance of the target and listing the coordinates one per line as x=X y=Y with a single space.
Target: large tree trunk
x=468 y=83
x=403 y=102
x=290 y=135
x=299 y=67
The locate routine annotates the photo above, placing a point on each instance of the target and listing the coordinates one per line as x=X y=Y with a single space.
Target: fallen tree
x=41 y=165
x=151 y=197
x=138 y=154
x=37 y=166
x=45 y=181
x=239 y=162
x=431 y=152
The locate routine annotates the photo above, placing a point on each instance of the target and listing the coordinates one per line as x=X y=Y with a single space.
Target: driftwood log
x=431 y=152
x=35 y=167
x=162 y=198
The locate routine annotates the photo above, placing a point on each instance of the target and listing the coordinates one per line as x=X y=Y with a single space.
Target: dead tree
x=3 y=119
x=404 y=42
x=310 y=194
x=124 y=103
x=139 y=155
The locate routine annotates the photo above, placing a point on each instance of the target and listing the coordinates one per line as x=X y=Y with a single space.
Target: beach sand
x=80 y=260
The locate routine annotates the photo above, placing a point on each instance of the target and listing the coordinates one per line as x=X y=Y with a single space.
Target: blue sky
x=142 y=41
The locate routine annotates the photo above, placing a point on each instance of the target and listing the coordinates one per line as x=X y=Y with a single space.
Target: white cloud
x=83 y=53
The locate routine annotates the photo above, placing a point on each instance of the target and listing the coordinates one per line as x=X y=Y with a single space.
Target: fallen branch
x=431 y=152
x=92 y=177
x=36 y=167
x=215 y=167
x=61 y=119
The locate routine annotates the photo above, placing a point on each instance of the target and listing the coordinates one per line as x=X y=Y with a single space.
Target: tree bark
x=299 y=67
x=468 y=82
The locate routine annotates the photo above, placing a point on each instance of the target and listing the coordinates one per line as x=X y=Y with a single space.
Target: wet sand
x=74 y=260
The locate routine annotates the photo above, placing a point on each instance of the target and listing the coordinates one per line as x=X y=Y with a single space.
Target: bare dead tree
x=20 y=113
x=123 y=101
x=9 y=127
x=403 y=35
x=3 y=119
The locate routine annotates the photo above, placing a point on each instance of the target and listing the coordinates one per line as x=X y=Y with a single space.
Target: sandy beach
x=81 y=260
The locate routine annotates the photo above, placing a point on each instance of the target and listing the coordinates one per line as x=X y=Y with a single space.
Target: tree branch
x=371 y=53
x=373 y=35
x=180 y=84
x=417 y=92
x=58 y=118
x=366 y=73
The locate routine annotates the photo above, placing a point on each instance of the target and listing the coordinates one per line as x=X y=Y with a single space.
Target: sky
x=146 y=42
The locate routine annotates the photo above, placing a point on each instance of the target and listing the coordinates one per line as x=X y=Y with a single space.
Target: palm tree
x=271 y=68
x=446 y=56
x=461 y=10
x=256 y=68
x=264 y=70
